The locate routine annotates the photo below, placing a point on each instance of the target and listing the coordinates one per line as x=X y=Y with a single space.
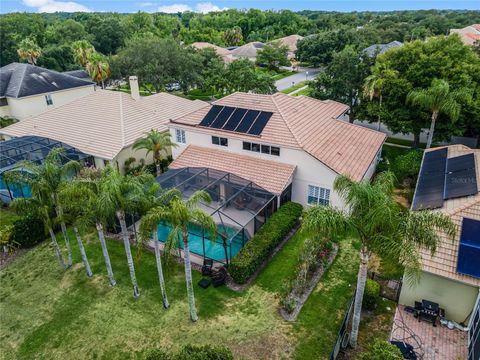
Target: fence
x=390 y=288
x=343 y=334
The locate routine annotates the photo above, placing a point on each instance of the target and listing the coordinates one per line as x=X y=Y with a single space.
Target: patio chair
x=207 y=267
x=219 y=276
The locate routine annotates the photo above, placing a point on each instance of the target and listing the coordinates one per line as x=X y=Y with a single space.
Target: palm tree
x=179 y=215
x=40 y=204
x=76 y=209
x=375 y=83
x=157 y=143
x=86 y=189
x=438 y=99
x=29 y=50
x=98 y=68
x=82 y=51
x=48 y=178
x=383 y=227
x=119 y=194
x=155 y=200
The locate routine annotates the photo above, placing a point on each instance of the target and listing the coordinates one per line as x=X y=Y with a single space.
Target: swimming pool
x=213 y=249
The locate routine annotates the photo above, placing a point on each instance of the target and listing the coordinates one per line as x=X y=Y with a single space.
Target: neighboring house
x=248 y=51
x=27 y=90
x=223 y=53
x=469 y=34
x=290 y=42
x=448 y=182
x=105 y=124
x=294 y=147
x=378 y=49
x=81 y=74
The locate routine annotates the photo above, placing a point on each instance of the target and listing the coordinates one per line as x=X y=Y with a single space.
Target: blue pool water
x=213 y=249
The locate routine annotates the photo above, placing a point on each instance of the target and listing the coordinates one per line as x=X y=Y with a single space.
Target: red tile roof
x=309 y=124
x=273 y=176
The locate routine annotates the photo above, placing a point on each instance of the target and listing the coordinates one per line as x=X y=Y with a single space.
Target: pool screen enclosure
x=239 y=207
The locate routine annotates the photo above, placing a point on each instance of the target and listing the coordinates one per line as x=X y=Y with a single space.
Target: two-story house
x=27 y=90
x=294 y=147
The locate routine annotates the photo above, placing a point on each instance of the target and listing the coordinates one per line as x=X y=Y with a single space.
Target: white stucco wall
x=455 y=297
x=24 y=107
x=309 y=170
x=5 y=111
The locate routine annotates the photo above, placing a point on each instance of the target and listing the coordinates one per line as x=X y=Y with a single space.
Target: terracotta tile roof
x=273 y=176
x=248 y=50
x=289 y=41
x=104 y=122
x=473 y=36
x=219 y=50
x=308 y=124
x=444 y=261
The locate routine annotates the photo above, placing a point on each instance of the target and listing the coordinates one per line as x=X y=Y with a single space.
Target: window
x=219 y=141
x=275 y=151
x=318 y=195
x=180 y=136
x=48 y=99
x=265 y=149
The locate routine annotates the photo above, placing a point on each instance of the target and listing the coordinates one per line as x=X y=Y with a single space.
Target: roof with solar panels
x=448 y=182
x=297 y=122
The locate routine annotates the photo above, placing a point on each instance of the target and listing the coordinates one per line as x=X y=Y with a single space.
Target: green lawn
x=295 y=87
x=276 y=75
x=50 y=314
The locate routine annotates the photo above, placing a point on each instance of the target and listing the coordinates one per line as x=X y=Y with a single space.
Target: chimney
x=134 y=87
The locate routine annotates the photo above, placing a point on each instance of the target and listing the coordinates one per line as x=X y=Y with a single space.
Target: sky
x=205 y=6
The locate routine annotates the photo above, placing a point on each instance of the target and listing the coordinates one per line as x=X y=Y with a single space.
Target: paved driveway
x=289 y=81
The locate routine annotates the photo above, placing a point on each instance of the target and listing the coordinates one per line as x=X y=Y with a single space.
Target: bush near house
x=191 y=352
x=27 y=231
x=381 y=350
x=264 y=241
x=371 y=295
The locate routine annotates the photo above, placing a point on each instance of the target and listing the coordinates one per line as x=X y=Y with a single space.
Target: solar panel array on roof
x=442 y=179
x=431 y=181
x=469 y=250
x=239 y=120
x=461 y=178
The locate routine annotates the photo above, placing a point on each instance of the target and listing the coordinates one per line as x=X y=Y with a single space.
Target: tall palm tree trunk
x=156 y=246
x=59 y=212
x=156 y=159
x=379 y=120
x=101 y=237
x=58 y=253
x=128 y=251
x=357 y=309
x=432 y=129
x=188 y=277
x=82 y=252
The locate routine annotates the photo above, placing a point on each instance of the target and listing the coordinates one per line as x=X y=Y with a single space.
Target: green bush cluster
x=191 y=352
x=371 y=294
x=28 y=231
x=381 y=350
x=264 y=241
x=408 y=165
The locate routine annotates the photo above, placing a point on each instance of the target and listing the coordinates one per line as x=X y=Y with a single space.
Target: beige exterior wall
x=309 y=170
x=5 y=111
x=33 y=105
x=455 y=297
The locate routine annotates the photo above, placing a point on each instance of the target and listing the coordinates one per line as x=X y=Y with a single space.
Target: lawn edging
x=316 y=277
x=231 y=284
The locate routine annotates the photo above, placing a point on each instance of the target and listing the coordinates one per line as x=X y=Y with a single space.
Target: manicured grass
x=305 y=92
x=7 y=217
x=295 y=87
x=276 y=75
x=403 y=142
x=47 y=313
x=319 y=321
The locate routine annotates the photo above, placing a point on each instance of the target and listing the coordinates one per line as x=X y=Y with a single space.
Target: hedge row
x=259 y=247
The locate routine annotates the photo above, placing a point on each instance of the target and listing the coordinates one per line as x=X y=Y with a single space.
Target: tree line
x=109 y=32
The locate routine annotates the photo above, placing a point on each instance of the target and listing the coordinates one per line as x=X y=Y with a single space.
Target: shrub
x=192 y=352
x=381 y=350
x=408 y=165
x=6 y=241
x=28 y=231
x=258 y=248
x=206 y=352
x=371 y=294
